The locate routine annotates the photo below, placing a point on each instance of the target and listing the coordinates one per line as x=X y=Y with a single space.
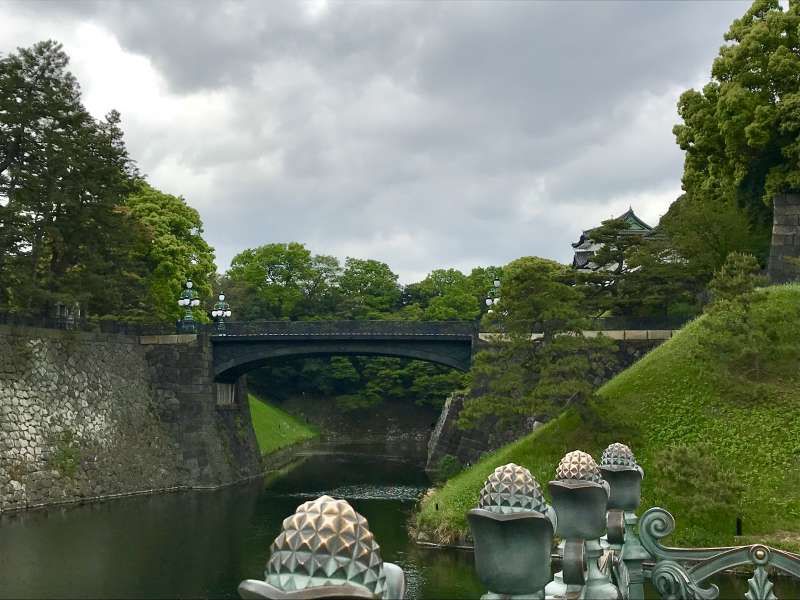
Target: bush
x=448 y=466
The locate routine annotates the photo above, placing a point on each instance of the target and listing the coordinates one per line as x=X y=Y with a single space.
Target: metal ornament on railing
x=624 y=476
x=683 y=572
x=588 y=501
x=580 y=496
x=326 y=550
x=513 y=533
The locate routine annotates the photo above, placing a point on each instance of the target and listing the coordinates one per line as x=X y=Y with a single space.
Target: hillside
x=276 y=429
x=714 y=444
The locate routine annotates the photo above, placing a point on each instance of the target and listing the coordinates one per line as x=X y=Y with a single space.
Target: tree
x=518 y=377
x=453 y=306
x=606 y=283
x=741 y=133
x=660 y=282
x=282 y=281
x=369 y=289
x=176 y=252
x=705 y=230
x=538 y=292
x=63 y=176
x=737 y=279
x=444 y=295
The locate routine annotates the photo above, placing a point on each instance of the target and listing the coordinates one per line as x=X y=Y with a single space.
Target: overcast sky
x=426 y=135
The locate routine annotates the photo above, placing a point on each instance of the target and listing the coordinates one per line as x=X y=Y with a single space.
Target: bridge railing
x=84 y=324
x=594 y=324
x=285 y=328
x=356 y=328
x=331 y=327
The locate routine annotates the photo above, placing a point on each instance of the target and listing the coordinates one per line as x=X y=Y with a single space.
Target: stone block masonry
x=784 y=256
x=470 y=445
x=86 y=415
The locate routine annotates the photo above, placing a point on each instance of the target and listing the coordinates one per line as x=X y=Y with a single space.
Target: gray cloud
x=423 y=134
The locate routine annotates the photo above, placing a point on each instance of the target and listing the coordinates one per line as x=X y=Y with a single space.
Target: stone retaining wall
x=86 y=415
x=785 y=239
x=468 y=446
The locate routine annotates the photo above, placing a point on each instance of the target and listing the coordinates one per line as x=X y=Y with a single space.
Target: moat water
x=202 y=544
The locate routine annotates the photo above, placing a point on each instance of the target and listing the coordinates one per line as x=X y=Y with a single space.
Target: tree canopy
x=78 y=224
x=63 y=177
x=741 y=135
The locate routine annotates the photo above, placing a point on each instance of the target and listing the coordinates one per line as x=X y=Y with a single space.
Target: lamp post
x=493 y=295
x=220 y=312
x=188 y=301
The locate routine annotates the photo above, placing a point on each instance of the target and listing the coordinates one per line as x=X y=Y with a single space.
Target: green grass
x=713 y=446
x=276 y=429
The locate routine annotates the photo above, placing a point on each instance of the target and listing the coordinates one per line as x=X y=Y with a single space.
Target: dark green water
x=202 y=544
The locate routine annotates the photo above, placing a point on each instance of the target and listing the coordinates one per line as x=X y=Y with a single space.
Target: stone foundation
x=785 y=246
x=86 y=415
x=469 y=445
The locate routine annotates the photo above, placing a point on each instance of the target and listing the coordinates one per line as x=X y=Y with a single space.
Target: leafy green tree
x=519 y=377
x=440 y=282
x=538 y=293
x=705 y=230
x=746 y=336
x=738 y=278
x=444 y=295
x=660 y=282
x=481 y=280
x=606 y=285
x=741 y=133
x=453 y=306
x=282 y=281
x=177 y=250
x=369 y=289
x=63 y=177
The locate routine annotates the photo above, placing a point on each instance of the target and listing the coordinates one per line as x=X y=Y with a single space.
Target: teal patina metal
x=220 y=312
x=590 y=500
x=684 y=572
x=326 y=550
x=513 y=532
x=188 y=300
x=624 y=476
x=580 y=497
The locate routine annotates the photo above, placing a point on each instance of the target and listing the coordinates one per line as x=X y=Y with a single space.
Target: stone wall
x=389 y=420
x=785 y=239
x=469 y=445
x=86 y=415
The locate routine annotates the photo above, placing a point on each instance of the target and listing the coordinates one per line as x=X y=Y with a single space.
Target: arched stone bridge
x=247 y=346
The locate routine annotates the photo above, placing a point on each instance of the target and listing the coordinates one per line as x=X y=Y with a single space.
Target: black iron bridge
x=245 y=346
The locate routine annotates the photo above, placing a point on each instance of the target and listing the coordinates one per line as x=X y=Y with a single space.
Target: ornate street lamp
x=220 y=312
x=188 y=300
x=493 y=295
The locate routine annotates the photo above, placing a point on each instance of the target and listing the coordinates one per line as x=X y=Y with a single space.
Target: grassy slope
x=275 y=428
x=669 y=398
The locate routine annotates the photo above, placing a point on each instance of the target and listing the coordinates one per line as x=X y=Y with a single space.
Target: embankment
x=89 y=415
x=714 y=445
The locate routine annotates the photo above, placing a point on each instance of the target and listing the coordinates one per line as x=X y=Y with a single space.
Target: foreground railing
x=327 y=551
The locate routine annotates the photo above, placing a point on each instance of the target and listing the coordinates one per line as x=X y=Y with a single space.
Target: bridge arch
x=449 y=344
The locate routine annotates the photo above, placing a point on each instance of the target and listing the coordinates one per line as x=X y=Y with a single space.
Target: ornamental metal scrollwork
x=673 y=582
x=759 y=587
x=679 y=572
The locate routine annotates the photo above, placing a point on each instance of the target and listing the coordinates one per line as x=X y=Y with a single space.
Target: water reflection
x=202 y=544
